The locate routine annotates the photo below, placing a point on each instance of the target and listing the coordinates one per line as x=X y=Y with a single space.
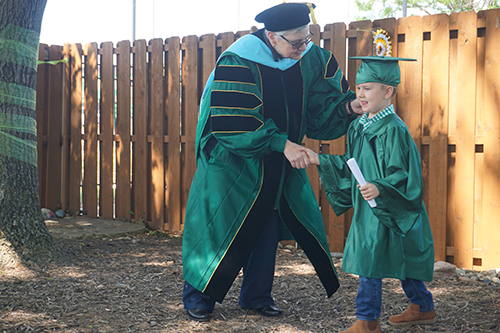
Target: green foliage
x=377 y=9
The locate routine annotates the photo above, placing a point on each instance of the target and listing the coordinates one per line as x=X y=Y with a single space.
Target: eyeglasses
x=298 y=45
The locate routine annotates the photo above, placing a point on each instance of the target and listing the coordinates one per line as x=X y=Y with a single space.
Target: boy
x=393 y=239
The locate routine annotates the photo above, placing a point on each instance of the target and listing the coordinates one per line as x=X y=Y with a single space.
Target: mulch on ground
x=134 y=283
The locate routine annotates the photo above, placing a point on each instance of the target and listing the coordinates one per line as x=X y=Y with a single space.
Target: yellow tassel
x=312 y=12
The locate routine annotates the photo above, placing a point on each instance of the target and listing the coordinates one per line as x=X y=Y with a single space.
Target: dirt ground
x=133 y=283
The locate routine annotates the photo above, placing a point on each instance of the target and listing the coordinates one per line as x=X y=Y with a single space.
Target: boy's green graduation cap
x=382 y=69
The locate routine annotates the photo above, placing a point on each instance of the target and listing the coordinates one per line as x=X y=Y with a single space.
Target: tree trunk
x=21 y=220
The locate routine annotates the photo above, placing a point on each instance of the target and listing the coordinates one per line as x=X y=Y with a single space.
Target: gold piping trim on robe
x=331 y=77
x=235 y=82
x=261 y=90
x=326 y=68
x=237 y=115
x=234 y=107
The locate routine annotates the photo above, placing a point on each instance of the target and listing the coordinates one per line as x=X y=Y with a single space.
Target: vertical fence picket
x=189 y=112
x=75 y=163
x=464 y=104
x=65 y=129
x=173 y=111
x=435 y=115
x=335 y=226
x=225 y=39
x=106 y=123
x=122 y=192
x=480 y=229
x=54 y=128
x=409 y=97
x=42 y=87
x=208 y=47
x=140 y=196
x=491 y=188
x=91 y=121
x=157 y=193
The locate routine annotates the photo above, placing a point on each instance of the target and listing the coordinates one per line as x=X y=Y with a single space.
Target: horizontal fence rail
x=117 y=124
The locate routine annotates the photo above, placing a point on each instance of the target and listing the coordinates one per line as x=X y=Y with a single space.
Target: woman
x=268 y=90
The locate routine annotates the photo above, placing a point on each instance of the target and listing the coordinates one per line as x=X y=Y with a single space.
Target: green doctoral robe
x=394 y=239
x=252 y=103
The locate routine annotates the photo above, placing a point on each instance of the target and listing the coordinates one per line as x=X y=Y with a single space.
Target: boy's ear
x=388 y=92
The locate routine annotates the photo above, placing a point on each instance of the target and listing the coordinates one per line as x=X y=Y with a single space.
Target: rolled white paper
x=353 y=165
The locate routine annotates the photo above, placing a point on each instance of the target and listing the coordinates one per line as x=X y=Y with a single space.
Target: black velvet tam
x=285 y=16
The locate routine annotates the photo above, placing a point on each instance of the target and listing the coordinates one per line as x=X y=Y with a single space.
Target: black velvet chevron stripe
x=234 y=74
x=331 y=69
x=234 y=100
x=345 y=85
x=234 y=123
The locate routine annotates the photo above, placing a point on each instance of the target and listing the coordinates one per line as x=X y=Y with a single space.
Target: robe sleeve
x=235 y=112
x=328 y=94
x=336 y=180
x=401 y=190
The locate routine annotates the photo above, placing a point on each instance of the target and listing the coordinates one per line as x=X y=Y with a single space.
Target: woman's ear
x=272 y=38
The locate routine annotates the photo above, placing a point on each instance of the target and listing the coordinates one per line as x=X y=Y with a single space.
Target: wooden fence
x=116 y=125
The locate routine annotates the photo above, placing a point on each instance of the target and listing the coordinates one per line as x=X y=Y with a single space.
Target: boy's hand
x=369 y=191
x=313 y=157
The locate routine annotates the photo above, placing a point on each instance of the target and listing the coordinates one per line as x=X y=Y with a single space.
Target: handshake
x=300 y=157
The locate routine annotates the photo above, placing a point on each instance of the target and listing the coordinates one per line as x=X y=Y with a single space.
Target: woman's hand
x=356 y=107
x=369 y=191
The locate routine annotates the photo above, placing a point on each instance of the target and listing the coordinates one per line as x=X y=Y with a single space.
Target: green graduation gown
x=394 y=239
x=251 y=105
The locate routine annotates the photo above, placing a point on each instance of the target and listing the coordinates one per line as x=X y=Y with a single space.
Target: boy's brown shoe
x=363 y=326
x=413 y=316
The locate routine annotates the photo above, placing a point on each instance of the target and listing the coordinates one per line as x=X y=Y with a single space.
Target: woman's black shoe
x=269 y=311
x=199 y=314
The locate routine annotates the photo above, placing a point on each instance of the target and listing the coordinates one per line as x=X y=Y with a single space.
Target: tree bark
x=21 y=221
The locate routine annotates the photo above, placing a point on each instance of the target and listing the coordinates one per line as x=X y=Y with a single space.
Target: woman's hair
x=289 y=32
